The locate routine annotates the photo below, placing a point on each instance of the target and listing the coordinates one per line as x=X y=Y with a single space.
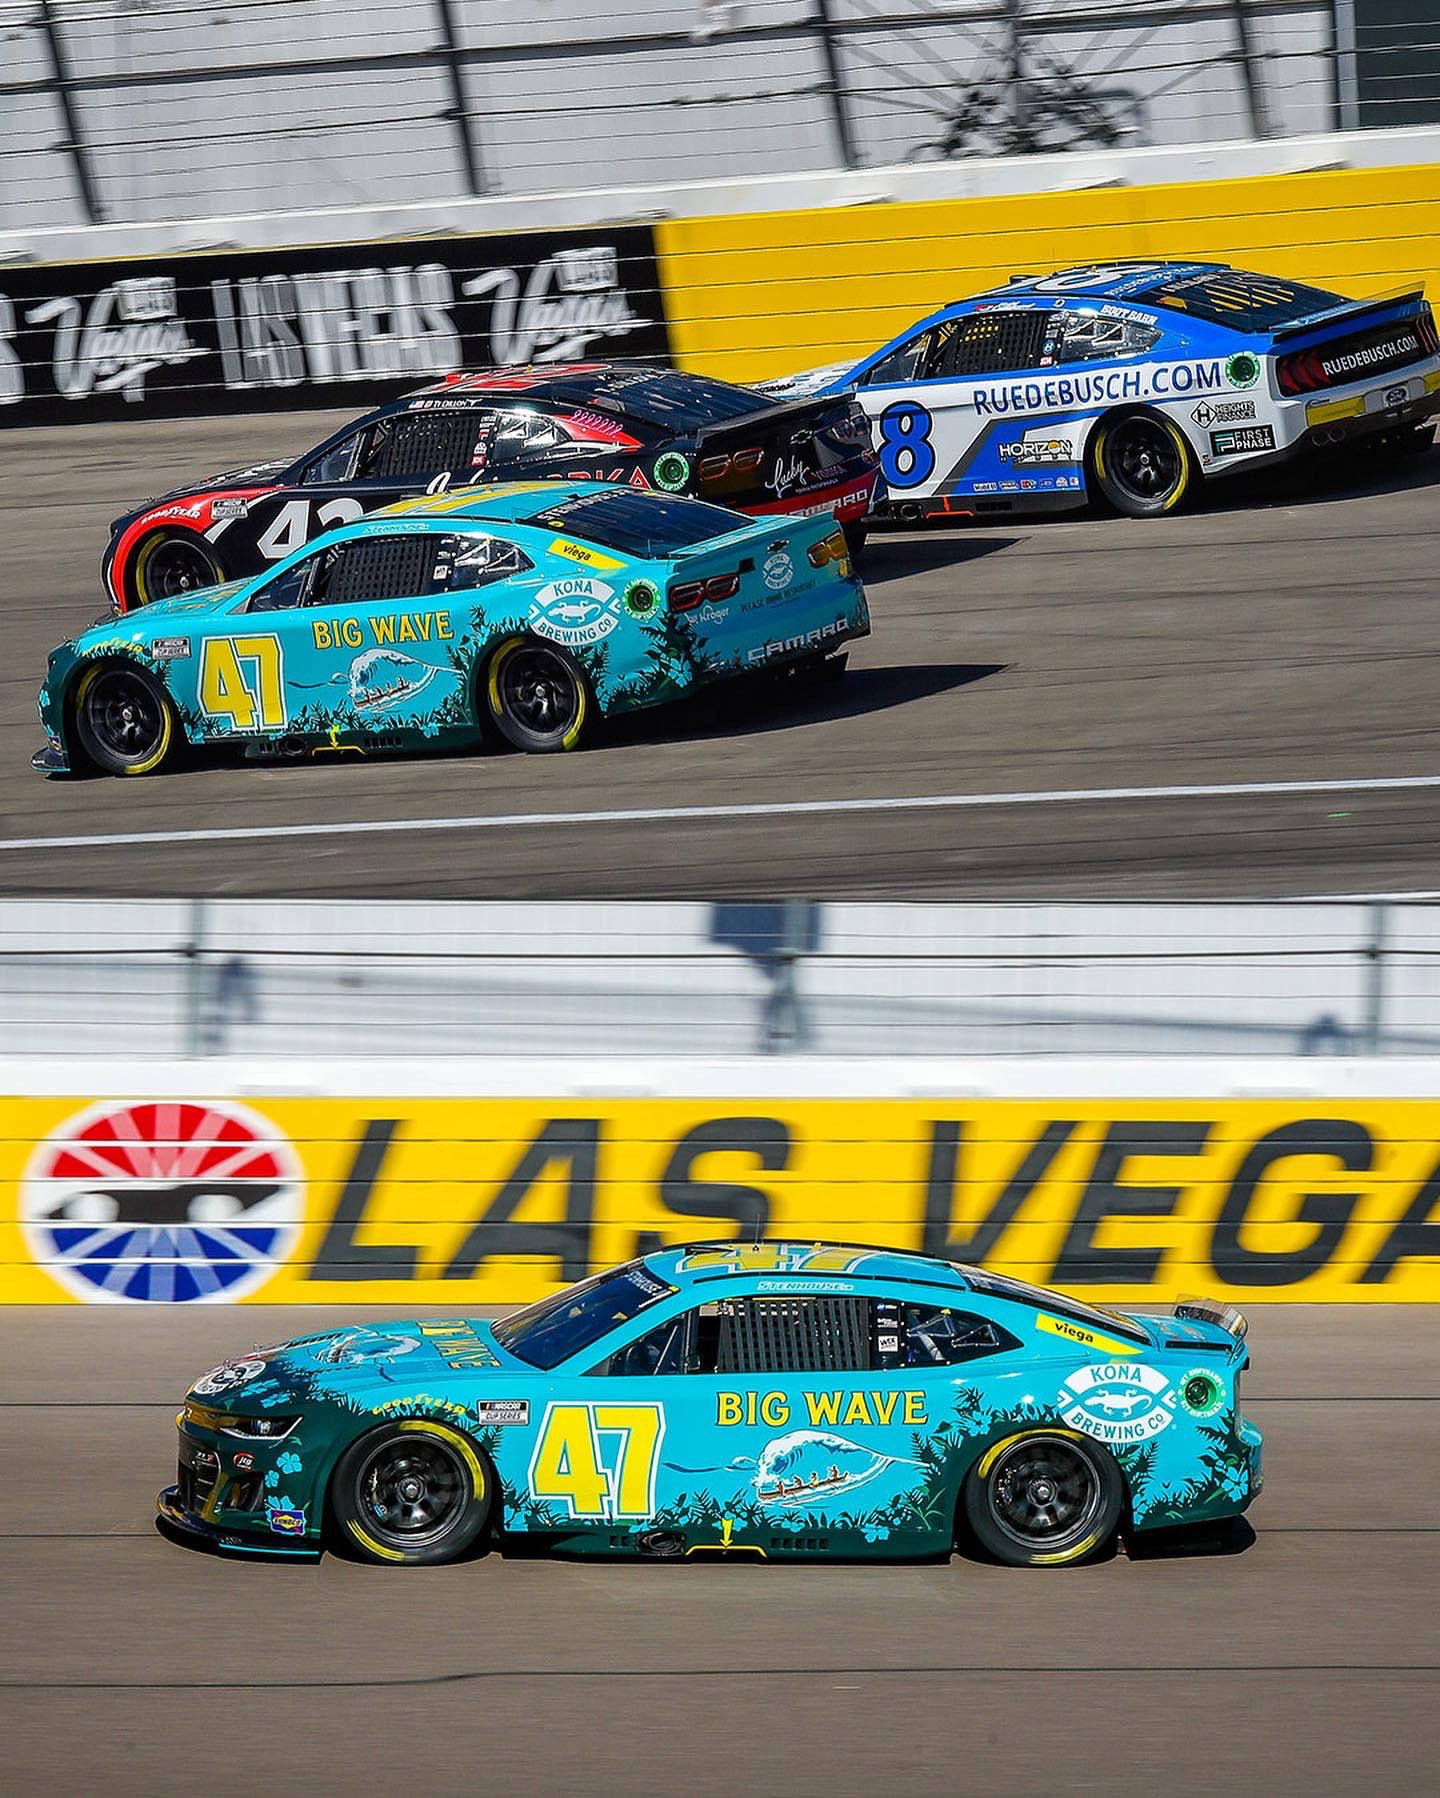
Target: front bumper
x=171 y=1509
x=50 y=760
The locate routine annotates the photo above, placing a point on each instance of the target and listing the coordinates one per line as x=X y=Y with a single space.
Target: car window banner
x=337 y=324
x=405 y=1200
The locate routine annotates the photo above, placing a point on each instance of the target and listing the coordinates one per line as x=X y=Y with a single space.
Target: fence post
x=1015 y=64
x=194 y=995
x=1347 y=91
x=783 y=1026
x=74 y=134
x=825 y=26
x=1250 y=73
x=459 y=106
x=1375 y=951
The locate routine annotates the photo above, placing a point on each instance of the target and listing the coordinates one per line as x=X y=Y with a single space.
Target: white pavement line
x=706 y=814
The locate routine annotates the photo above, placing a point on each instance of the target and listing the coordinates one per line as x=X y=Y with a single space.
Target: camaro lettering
x=786 y=646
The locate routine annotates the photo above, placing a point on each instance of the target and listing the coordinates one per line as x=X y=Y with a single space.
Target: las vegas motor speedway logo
x=168 y=1201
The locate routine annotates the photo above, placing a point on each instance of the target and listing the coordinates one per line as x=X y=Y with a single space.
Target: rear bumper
x=1332 y=421
x=172 y=1511
x=849 y=501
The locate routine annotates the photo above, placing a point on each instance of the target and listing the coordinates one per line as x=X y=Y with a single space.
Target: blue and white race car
x=1134 y=381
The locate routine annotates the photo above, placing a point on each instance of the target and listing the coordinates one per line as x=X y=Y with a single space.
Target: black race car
x=644 y=427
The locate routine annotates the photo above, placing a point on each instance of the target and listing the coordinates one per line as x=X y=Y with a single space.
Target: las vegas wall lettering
x=417 y=1200
x=260 y=330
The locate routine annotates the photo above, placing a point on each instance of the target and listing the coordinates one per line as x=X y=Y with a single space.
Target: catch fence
x=153 y=109
x=220 y=978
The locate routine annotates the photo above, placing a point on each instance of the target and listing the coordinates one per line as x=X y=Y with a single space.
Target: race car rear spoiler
x=767 y=419
x=1211 y=1311
x=1353 y=312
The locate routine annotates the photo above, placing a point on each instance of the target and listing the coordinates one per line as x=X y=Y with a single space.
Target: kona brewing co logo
x=171 y=1201
x=577 y=610
x=1117 y=1402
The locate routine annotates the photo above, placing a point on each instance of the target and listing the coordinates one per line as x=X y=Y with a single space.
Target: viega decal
x=460 y=1203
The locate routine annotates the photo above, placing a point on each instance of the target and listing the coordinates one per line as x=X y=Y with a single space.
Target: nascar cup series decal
x=577 y=610
x=1117 y=1402
x=167 y=1202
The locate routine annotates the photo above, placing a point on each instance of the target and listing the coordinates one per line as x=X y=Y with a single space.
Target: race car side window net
x=799 y=1335
x=986 y=343
x=419 y=446
x=375 y=568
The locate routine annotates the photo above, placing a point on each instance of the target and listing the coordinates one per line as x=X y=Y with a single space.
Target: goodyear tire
x=122 y=719
x=170 y=564
x=411 y=1494
x=536 y=697
x=855 y=539
x=1044 y=1498
x=1142 y=464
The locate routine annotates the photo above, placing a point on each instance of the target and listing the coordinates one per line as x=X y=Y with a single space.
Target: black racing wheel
x=123 y=719
x=537 y=697
x=1142 y=463
x=1045 y=1498
x=171 y=563
x=413 y=1493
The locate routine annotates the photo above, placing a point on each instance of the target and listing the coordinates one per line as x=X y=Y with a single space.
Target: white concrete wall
x=203 y=112
x=320 y=979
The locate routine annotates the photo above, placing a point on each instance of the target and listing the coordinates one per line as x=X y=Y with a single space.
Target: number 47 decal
x=598 y=1460
x=240 y=680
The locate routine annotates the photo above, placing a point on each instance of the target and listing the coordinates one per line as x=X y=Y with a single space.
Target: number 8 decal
x=598 y=1460
x=906 y=455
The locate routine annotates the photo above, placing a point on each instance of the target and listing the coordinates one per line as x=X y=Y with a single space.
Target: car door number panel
x=242 y=682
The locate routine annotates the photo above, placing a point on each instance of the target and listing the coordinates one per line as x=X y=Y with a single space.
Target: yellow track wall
x=759 y=294
x=407 y=1200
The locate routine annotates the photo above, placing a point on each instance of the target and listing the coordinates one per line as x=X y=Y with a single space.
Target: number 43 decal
x=598 y=1460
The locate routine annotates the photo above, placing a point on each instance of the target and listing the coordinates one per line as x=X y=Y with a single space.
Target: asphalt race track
x=1281 y=637
x=1306 y=1661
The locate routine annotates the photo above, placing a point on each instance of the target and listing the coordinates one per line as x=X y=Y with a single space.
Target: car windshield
x=552 y=1330
x=1243 y=301
x=1001 y=1286
x=639 y=524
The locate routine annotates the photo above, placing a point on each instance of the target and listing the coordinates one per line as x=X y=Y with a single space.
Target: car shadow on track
x=1356 y=474
x=1188 y=1541
x=897 y=554
x=1230 y=1536
x=787 y=705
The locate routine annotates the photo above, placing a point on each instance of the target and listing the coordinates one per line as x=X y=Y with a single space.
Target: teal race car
x=769 y=1399
x=531 y=608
